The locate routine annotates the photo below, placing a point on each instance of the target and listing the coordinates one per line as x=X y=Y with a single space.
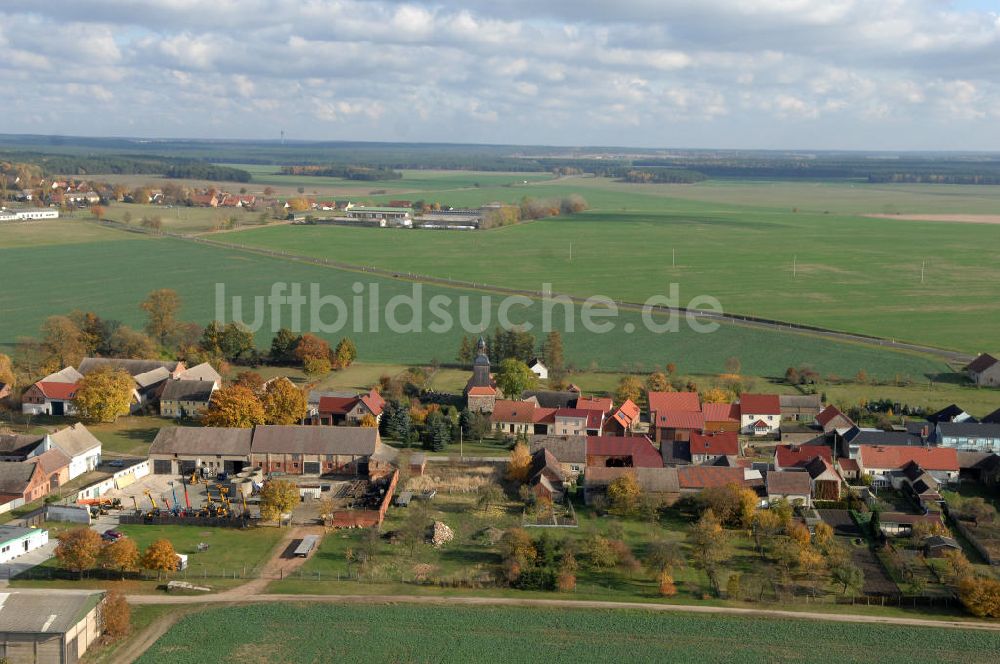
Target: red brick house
x=707 y=447
x=21 y=483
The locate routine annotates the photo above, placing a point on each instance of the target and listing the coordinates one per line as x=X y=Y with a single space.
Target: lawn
x=399 y=633
x=758 y=258
x=111 y=278
x=230 y=551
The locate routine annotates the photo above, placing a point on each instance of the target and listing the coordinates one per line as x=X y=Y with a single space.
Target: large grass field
x=394 y=633
x=837 y=270
x=112 y=274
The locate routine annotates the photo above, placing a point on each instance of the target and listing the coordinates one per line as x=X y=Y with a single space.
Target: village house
x=674 y=415
x=760 y=414
x=186 y=398
x=984 y=371
x=545 y=477
x=623 y=421
x=826 y=480
x=81 y=447
x=832 y=419
x=849 y=443
x=569 y=451
x=514 y=418
x=981 y=467
x=576 y=422
x=706 y=448
x=881 y=462
x=794 y=486
x=793 y=457
x=630 y=452
x=52 y=395
x=919 y=484
x=183 y=450
x=950 y=413
x=539 y=369
x=381 y=216
x=21 y=483
x=345 y=408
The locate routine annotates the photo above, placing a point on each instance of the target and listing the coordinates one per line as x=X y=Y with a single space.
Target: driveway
x=43 y=553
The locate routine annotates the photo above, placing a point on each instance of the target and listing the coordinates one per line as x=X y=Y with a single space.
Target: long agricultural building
x=292 y=450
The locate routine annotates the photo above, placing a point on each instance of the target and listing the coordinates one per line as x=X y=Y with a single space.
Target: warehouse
x=48 y=626
x=181 y=450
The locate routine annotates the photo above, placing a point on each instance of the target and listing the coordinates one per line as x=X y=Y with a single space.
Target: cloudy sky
x=834 y=74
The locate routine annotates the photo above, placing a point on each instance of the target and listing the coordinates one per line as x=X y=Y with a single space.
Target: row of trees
x=82 y=549
x=518 y=344
x=250 y=402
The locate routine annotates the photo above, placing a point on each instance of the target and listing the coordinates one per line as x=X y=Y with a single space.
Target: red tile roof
x=721 y=412
x=760 y=404
x=796 y=456
x=374 y=402
x=643 y=454
x=828 y=414
x=603 y=404
x=626 y=414
x=482 y=391
x=894 y=457
x=595 y=418
x=545 y=415
x=336 y=405
x=60 y=391
x=519 y=412
x=673 y=401
x=717 y=444
x=704 y=477
x=848 y=465
x=761 y=424
x=680 y=420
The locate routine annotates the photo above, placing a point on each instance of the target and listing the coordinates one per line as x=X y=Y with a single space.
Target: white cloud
x=556 y=71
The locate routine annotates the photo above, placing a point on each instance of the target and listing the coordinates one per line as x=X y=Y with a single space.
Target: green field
x=395 y=633
x=837 y=270
x=112 y=274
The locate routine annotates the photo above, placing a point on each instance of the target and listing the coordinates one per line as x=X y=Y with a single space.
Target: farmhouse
x=674 y=415
x=706 y=448
x=186 y=398
x=627 y=452
x=21 y=483
x=539 y=369
x=48 y=626
x=20 y=446
x=760 y=414
x=516 y=417
x=52 y=395
x=147 y=374
x=569 y=451
x=794 y=486
x=545 y=477
x=790 y=457
x=984 y=371
x=80 y=446
x=623 y=421
x=692 y=479
x=336 y=408
x=849 y=443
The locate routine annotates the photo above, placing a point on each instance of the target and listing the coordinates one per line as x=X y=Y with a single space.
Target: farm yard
x=300 y=632
x=144 y=264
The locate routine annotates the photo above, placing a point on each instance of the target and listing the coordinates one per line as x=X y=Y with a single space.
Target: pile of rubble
x=441 y=534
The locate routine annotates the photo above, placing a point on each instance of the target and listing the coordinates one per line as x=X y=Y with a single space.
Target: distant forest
x=209 y=159
x=347 y=172
x=117 y=164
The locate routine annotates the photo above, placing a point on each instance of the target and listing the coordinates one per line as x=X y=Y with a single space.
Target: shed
x=418 y=464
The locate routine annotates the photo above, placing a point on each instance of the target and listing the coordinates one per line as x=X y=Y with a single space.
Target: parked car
x=112 y=535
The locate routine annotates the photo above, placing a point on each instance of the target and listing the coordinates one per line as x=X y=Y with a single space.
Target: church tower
x=481 y=366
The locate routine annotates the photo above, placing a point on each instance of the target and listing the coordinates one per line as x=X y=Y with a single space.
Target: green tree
x=237 y=343
x=709 y=546
x=161 y=307
x=345 y=353
x=848 y=575
x=283 y=346
x=396 y=424
x=466 y=351
x=552 y=351
x=103 y=396
x=629 y=387
x=277 y=497
x=234 y=406
x=284 y=403
x=514 y=377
